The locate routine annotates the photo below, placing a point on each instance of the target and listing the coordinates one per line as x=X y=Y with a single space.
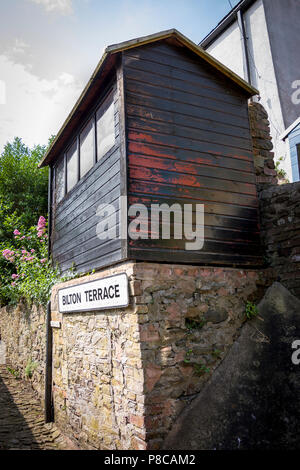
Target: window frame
x=104 y=106
x=107 y=98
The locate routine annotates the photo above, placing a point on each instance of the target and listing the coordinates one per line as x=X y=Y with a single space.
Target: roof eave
x=117 y=48
x=227 y=21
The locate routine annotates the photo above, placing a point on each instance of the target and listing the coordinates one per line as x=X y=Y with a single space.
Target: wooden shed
x=160 y=121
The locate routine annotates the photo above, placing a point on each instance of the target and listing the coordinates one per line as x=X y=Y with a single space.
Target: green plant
x=33 y=273
x=30 y=368
x=201 y=369
x=192 y=324
x=251 y=310
x=216 y=353
x=14 y=372
x=188 y=354
x=281 y=173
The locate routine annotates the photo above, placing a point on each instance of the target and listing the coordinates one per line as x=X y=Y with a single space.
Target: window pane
x=72 y=167
x=60 y=180
x=105 y=130
x=86 y=149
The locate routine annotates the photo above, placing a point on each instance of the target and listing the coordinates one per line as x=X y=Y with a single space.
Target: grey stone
x=216 y=316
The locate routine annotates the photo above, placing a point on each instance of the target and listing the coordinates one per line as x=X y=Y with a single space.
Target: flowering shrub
x=34 y=274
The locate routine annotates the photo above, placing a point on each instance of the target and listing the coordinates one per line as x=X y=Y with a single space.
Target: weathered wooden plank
x=189 y=257
x=181 y=97
x=223 y=198
x=179 y=119
x=88 y=250
x=190 y=168
x=236 y=222
x=136 y=72
x=87 y=265
x=189 y=69
x=211 y=233
x=89 y=255
x=186 y=109
x=193 y=156
x=188 y=144
x=184 y=131
x=195 y=181
x=77 y=230
x=105 y=184
x=210 y=246
x=88 y=180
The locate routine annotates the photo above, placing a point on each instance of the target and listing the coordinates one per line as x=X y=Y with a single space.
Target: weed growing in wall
x=30 y=368
x=251 y=310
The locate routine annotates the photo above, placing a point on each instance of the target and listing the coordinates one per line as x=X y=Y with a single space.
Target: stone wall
x=121 y=377
x=280 y=230
x=23 y=333
x=266 y=174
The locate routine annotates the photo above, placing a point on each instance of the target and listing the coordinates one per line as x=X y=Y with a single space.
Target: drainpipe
x=48 y=368
x=241 y=24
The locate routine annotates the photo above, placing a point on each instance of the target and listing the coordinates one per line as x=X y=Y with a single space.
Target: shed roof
x=106 y=63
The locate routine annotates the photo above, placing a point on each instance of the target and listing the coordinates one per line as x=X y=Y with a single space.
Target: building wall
x=75 y=218
x=280 y=216
x=121 y=377
x=222 y=50
x=189 y=142
x=262 y=71
x=282 y=19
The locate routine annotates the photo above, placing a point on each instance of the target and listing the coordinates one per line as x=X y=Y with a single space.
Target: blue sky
x=49 y=48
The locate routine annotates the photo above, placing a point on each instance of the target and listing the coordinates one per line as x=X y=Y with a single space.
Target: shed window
x=72 y=166
x=87 y=141
x=60 y=180
x=105 y=128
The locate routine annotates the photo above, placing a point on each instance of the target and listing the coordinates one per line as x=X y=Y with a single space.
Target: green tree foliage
x=23 y=198
x=23 y=186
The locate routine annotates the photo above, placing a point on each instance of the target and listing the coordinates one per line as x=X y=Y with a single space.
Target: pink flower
x=15 y=276
x=8 y=255
x=16 y=232
x=24 y=252
x=22 y=238
x=41 y=223
x=32 y=250
x=43 y=260
x=13 y=284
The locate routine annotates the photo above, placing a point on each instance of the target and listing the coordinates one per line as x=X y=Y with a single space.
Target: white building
x=260 y=41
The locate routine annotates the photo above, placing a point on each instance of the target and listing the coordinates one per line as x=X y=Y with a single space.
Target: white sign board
x=109 y=292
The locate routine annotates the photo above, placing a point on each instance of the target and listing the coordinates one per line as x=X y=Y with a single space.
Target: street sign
x=101 y=294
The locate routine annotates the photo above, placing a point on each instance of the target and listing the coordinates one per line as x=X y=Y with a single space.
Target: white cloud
x=20 y=47
x=34 y=108
x=61 y=6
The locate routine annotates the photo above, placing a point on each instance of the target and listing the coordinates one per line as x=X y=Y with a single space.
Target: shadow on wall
x=252 y=400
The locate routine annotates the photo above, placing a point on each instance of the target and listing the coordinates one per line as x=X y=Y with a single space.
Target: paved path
x=22 y=420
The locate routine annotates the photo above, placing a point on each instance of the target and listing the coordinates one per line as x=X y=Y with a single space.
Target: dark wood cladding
x=182 y=136
x=75 y=219
x=188 y=142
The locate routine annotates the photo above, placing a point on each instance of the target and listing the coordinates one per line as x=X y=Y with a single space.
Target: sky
x=49 y=49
